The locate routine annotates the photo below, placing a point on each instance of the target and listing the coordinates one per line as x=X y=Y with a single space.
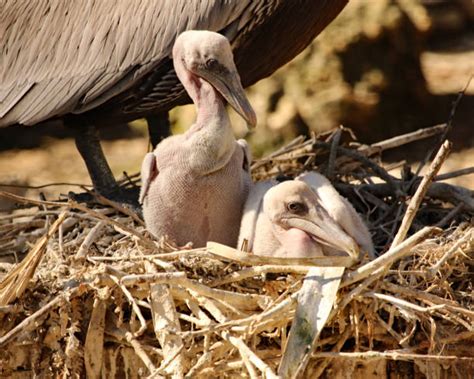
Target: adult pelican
x=95 y=60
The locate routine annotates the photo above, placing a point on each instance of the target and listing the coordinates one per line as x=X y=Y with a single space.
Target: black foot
x=88 y=144
x=126 y=198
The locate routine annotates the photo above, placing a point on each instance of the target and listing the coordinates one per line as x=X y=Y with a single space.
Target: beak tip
x=252 y=120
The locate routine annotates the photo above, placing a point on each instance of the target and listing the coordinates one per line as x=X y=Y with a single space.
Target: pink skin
x=208 y=101
x=299 y=242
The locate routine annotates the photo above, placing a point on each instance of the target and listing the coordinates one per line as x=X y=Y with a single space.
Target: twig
x=333 y=154
x=261 y=162
x=15 y=282
x=81 y=254
x=25 y=200
x=135 y=307
x=403 y=139
x=322 y=366
x=432 y=271
x=113 y=204
x=449 y=125
x=258 y=270
x=427 y=298
x=454 y=174
x=160 y=277
x=146 y=242
x=166 y=324
x=420 y=193
x=450 y=215
x=229 y=253
x=244 y=301
x=379 y=171
x=393 y=355
x=402 y=303
x=387 y=259
x=442 y=191
x=137 y=347
x=246 y=352
x=74 y=205
x=30 y=322
x=44 y=185
x=94 y=343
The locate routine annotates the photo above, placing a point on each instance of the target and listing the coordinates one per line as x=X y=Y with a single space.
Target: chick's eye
x=296 y=207
x=211 y=63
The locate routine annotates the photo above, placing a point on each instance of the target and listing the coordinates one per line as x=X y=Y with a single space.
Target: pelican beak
x=227 y=82
x=325 y=231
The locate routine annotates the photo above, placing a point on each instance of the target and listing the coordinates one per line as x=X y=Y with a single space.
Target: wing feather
x=57 y=46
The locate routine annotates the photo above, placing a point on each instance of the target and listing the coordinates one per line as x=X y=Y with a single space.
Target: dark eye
x=296 y=207
x=211 y=63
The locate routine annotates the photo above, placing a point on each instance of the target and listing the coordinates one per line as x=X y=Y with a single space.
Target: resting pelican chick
x=194 y=185
x=302 y=218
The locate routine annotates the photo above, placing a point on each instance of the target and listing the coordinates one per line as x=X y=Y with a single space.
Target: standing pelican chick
x=302 y=218
x=194 y=185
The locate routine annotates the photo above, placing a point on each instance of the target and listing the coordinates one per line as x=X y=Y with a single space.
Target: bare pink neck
x=209 y=103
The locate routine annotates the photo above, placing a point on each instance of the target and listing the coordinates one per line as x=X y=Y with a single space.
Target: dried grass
x=96 y=295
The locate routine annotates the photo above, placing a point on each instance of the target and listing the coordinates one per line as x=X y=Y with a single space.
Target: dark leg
x=158 y=127
x=88 y=144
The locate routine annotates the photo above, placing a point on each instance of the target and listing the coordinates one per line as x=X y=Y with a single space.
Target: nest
x=97 y=295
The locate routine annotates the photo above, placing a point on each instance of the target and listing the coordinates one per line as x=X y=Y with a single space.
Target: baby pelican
x=194 y=185
x=302 y=218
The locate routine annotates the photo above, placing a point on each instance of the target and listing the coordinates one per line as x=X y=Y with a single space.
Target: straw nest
x=95 y=295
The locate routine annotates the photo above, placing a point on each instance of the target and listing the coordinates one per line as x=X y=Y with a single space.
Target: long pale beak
x=327 y=232
x=229 y=86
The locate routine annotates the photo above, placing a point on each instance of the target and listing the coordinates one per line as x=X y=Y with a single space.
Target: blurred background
x=382 y=68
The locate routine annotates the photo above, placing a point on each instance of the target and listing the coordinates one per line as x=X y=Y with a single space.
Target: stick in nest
x=16 y=281
x=421 y=192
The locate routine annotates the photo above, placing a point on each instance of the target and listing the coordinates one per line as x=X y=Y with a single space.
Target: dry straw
x=95 y=295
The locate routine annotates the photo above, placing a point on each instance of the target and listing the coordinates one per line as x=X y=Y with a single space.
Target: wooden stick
x=402 y=303
x=15 y=282
x=135 y=307
x=30 y=322
x=136 y=345
x=81 y=254
x=333 y=154
x=421 y=192
x=246 y=352
x=379 y=171
x=159 y=277
x=229 y=253
x=119 y=207
x=316 y=299
x=404 y=139
x=94 y=344
x=74 y=205
x=166 y=324
x=451 y=214
x=387 y=259
x=442 y=191
x=454 y=174
x=393 y=355
x=259 y=270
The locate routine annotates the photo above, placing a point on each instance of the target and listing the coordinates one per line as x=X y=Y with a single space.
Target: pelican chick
x=302 y=218
x=194 y=185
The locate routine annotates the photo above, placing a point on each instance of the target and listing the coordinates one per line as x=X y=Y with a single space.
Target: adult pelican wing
x=110 y=60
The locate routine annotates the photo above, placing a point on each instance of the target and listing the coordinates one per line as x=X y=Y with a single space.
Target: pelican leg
x=88 y=144
x=158 y=128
